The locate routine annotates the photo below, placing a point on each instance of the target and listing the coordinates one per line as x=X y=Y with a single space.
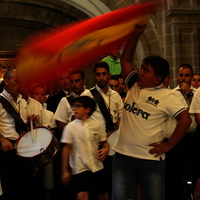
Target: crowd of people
x=156 y=143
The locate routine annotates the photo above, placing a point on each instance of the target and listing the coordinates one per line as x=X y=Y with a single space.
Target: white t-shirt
x=50 y=119
x=35 y=107
x=186 y=103
x=113 y=101
x=195 y=104
x=64 y=111
x=143 y=119
x=84 y=138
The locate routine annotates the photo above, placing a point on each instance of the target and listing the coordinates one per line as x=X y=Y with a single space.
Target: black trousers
x=179 y=166
x=16 y=179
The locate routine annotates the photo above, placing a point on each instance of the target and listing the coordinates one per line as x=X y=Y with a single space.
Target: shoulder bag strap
x=20 y=126
x=70 y=99
x=104 y=110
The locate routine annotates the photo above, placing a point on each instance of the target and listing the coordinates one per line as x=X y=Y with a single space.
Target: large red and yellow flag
x=77 y=45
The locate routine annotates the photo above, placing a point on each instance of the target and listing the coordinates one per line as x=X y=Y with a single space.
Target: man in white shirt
x=175 y=172
x=15 y=177
x=111 y=98
x=64 y=112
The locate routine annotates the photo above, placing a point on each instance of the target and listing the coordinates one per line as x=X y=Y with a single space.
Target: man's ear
x=6 y=81
x=88 y=110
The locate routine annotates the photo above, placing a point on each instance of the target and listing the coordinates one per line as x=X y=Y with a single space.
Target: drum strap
x=104 y=110
x=70 y=99
x=20 y=126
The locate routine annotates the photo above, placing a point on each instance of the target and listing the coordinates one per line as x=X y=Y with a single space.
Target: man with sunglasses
x=177 y=171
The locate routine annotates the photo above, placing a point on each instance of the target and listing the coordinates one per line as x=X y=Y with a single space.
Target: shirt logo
x=152 y=101
x=136 y=111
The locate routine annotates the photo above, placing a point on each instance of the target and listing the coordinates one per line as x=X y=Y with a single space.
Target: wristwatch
x=190 y=94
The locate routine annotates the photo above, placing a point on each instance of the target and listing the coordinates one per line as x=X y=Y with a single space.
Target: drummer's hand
x=66 y=177
x=31 y=117
x=102 y=154
x=6 y=145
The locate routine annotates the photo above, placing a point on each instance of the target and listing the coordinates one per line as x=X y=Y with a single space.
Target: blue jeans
x=128 y=171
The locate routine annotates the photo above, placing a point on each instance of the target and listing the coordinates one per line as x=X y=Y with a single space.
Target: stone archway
x=166 y=34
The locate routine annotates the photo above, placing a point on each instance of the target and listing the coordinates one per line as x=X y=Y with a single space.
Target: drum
x=37 y=147
x=111 y=140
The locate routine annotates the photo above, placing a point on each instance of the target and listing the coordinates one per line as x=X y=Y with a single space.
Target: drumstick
x=32 y=136
x=22 y=147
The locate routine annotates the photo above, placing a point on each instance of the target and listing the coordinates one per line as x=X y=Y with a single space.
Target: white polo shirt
x=64 y=111
x=36 y=108
x=113 y=101
x=84 y=138
x=185 y=101
x=143 y=119
x=7 y=123
x=195 y=104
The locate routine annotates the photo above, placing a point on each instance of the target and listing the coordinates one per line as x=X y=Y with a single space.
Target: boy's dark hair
x=187 y=66
x=77 y=71
x=114 y=77
x=160 y=66
x=101 y=65
x=120 y=76
x=87 y=102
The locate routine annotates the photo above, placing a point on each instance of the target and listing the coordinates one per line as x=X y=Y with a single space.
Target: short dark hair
x=101 y=64
x=120 y=76
x=8 y=74
x=114 y=77
x=87 y=102
x=187 y=66
x=77 y=71
x=159 y=65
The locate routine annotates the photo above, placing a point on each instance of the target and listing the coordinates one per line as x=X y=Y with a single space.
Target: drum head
x=34 y=142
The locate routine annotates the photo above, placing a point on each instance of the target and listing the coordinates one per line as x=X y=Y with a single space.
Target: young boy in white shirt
x=85 y=147
x=39 y=93
x=139 y=148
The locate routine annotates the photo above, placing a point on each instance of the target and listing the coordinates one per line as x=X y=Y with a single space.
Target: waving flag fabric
x=77 y=45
